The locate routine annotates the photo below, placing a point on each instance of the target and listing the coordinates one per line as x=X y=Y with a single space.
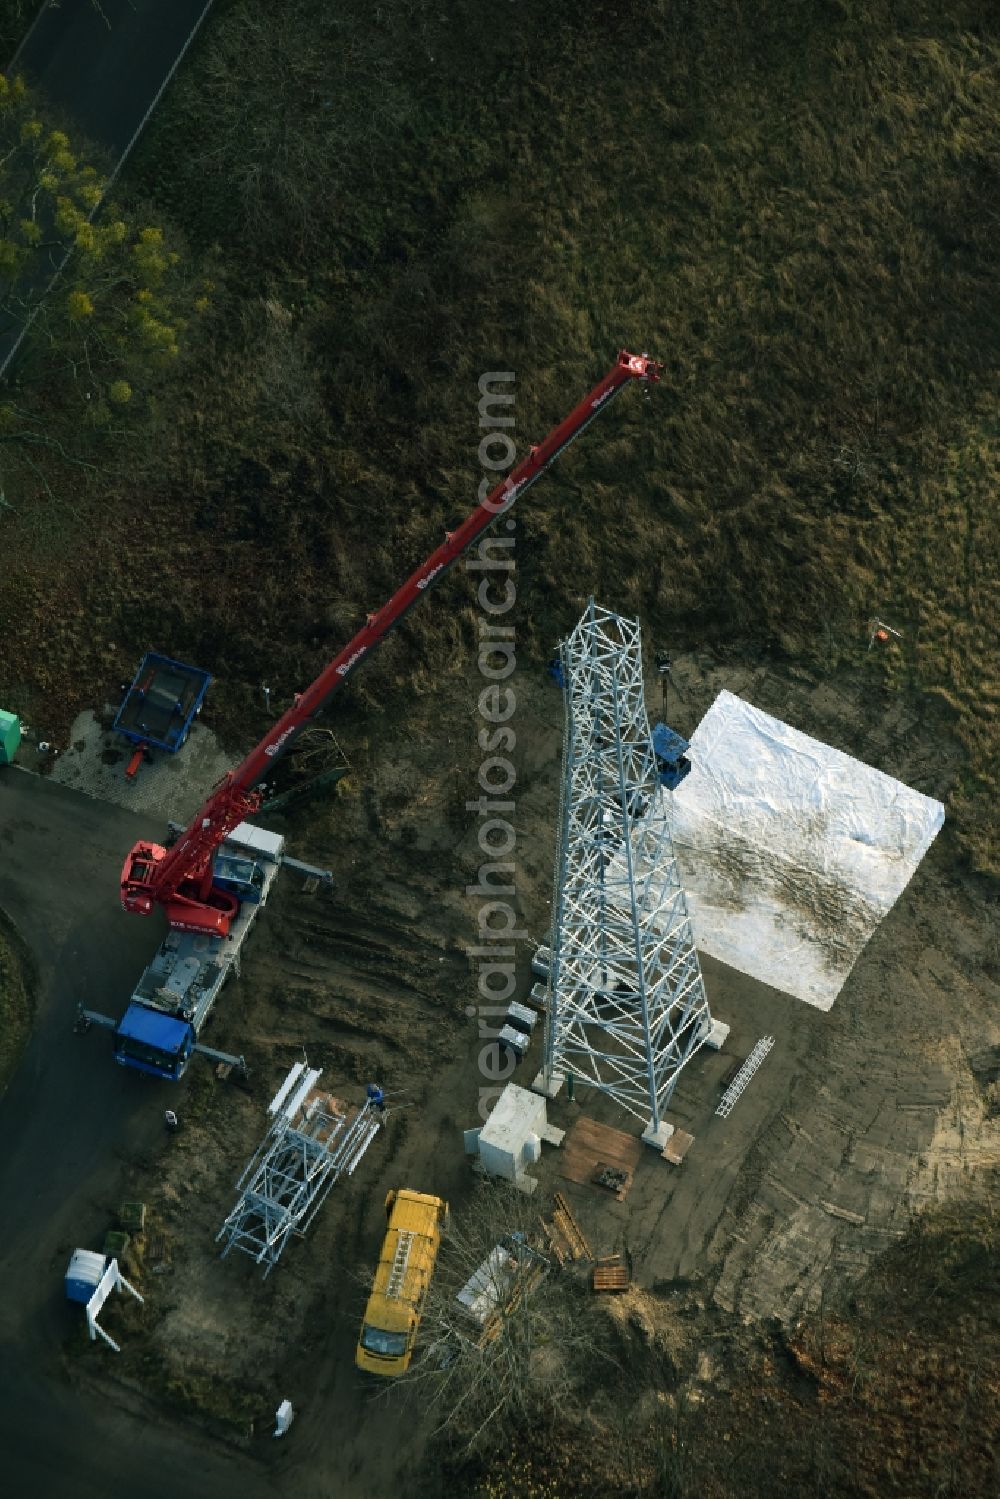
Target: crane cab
x=238 y=876
x=150 y=1041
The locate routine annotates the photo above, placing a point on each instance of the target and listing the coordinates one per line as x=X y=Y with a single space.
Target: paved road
x=67 y=1121
x=105 y=75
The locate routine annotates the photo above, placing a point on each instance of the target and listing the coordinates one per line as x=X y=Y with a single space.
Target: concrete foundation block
x=657 y=1137
x=548 y=1087
x=717 y=1035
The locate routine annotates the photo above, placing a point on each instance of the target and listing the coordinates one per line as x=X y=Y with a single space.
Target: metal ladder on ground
x=399 y=1262
x=728 y=1101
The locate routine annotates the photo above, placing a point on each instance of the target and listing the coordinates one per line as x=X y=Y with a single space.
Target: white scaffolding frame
x=627 y=1007
x=312 y=1142
x=111 y=1280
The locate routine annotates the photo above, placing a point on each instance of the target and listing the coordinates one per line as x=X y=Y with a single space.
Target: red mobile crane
x=182 y=879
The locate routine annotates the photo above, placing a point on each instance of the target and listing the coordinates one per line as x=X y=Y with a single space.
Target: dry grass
x=895 y=1393
x=798 y=214
x=16 y=999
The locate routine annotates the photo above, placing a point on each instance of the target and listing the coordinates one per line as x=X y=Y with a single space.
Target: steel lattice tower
x=627 y=1007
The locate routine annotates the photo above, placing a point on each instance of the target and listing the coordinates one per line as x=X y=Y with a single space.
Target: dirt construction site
x=857 y=1119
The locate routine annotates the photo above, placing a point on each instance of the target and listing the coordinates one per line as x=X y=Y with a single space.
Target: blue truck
x=170 y=1005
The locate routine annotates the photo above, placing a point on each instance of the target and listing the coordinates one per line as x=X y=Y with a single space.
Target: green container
x=132 y=1216
x=10 y=736
x=116 y=1243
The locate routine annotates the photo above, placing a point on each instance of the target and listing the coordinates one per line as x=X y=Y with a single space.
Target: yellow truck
x=405 y=1267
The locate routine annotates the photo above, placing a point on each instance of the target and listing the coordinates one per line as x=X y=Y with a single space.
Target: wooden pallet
x=677 y=1147
x=565 y=1236
x=557 y=1247
x=610 y=1275
x=570 y=1229
x=526 y=1282
x=588 y=1145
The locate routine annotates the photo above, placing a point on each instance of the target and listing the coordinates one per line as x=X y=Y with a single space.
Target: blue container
x=162 y=702
x=672 y=763
x=84 y=1275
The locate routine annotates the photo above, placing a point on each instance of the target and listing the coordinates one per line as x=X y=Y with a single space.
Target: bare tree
x=93 y=302
x=524 y=1336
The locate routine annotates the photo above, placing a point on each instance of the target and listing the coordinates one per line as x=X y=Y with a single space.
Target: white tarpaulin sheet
x=791 y=852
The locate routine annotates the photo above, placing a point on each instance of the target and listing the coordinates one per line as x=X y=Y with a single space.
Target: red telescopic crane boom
x=180 y=878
